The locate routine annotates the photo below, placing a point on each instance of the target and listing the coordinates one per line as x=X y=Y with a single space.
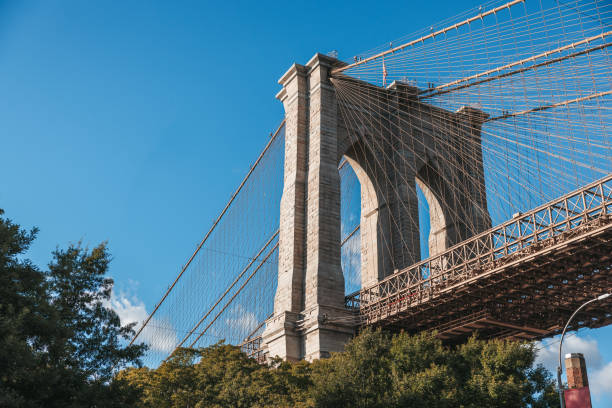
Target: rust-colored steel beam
x=523 y=62
x=569 y=252
x=550 y=106
x=441 y=90
x=353 y=232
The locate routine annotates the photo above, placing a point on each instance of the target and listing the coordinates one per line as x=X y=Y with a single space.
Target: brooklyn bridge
x=458 y=179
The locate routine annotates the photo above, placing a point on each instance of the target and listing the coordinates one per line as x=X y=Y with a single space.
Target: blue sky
x=133 y=122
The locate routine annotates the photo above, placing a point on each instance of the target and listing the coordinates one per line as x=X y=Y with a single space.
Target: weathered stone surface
x=310 y=320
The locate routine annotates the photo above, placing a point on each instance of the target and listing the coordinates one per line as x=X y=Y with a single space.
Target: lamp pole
x=559 y=368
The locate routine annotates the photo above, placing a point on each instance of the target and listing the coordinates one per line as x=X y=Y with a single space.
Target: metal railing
x=252 y=348
x=484 y=251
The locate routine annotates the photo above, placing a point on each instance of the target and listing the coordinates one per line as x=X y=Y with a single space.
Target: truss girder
x=521 y=279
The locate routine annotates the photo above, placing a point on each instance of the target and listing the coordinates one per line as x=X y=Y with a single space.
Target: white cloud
x=548 y=355
x=351 y=262
x=159 y=334
x=600 y=381
x=241 y=319
x=348 y=224
x=598 y=371
x=129 y=310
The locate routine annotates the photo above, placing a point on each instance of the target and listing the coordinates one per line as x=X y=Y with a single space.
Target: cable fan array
x=538 y=75
x=477 y=118
x=226 y=290
x=227 y=287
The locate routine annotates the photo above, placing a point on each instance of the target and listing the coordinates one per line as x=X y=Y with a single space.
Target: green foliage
x=219 y=376
x=25 y=327
x=358 y=377
x=80 y=293
x=60 y=346
x=378 y=370
x=59 y=340
x=375 y=370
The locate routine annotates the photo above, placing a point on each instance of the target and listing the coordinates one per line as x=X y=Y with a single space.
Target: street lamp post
x=559 y=368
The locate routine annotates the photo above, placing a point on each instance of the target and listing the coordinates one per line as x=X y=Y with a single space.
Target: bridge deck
x=521 y=279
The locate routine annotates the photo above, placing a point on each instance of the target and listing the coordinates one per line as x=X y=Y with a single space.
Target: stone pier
x=310 y=320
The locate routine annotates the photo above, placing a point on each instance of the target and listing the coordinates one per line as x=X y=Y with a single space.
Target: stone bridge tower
x=310 y=319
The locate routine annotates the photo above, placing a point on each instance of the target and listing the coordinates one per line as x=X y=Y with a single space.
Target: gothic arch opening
x=374 y=243
x=368 y=225
x=424 y=222
x=430 y=185
x=350 y=234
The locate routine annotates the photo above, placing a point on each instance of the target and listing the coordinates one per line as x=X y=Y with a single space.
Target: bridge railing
x=468 y=258
x=252 y=348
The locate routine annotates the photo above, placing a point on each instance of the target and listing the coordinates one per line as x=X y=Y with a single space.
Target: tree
x=358 y=377
x=26 y=317
x=423 y=371
x=60 y=342
x=89 y=343
x=61 y=346
x=501 y=373
x=219 y=376
x=403 y=370
x=376 y=369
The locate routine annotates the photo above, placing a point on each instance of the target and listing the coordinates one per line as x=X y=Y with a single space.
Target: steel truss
x=521 y=279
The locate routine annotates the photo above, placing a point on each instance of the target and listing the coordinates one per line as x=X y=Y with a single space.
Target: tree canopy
x=382 y=370
x=219 y=376
x=60 y=342
x=61 y=345
x=375 y=370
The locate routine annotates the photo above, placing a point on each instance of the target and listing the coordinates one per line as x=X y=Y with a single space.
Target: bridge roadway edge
x=571 y=267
